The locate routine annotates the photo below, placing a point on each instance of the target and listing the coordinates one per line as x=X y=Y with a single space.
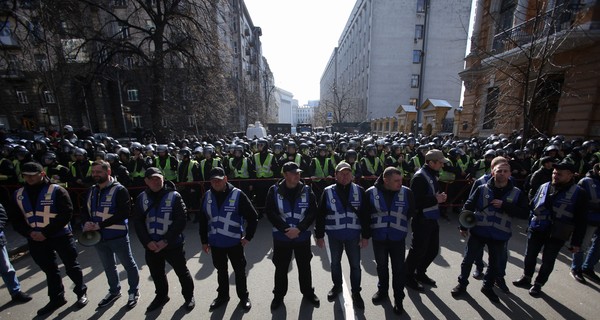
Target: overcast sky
x=298 y=39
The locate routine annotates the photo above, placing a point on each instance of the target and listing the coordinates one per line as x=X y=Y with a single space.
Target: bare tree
x=340 y=103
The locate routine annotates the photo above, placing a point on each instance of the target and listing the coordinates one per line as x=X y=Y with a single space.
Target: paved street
x=563 y=298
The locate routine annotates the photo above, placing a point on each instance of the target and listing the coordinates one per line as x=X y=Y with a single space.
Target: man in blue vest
x=291 y=207
x=7 y=271
x=425 y=228
x=390 y=205
x=159 y=223
x=559 y=214
x=46 y=210
x=228 y=222
x=591 y=185
x=107 y=210
x=344 y=217
x=494 y=204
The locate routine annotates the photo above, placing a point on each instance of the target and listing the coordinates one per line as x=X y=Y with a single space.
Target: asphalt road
x=562 y=297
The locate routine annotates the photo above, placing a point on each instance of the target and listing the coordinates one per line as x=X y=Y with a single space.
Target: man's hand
x=464 y=232
x=292 y=233
x=575 y=249
x=321 y=243
x=441 y=197
x=206 y=248
x=363 y=243
x=152 y=246
x=37 y=236
x=161 y=245
x=244 y=242
x=497 y=203
x=91 y=226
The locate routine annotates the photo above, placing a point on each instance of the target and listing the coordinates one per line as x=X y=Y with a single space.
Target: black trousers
x=44 y=254
x=282 y=256
x=176 y=258
x=425 y=245
x=220 y=258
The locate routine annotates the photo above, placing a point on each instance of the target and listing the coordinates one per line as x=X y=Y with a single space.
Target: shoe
x=219 y=301
x=312 y=298
x=157 y=303
x=246 y=304
x=501 y=284
x=489 y=292
x=190 y=304
x=523 y=282
x=412 y=283
x=82 y=300
x=21 y=296
x=333 y=293
x=591 y=274
x=379 y=297
x=424 y=279
x=478 y=274
x=535 y=290
x=458 y=290
x=133 y=300
x=398 y=308
x=578 y=275
x=110 y=298
x=358 y=301
x=276 y=303
x=52 y=305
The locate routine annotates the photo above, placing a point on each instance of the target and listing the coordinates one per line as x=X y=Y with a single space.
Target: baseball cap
x=153 y=172
x=342 y=165
x=217 y=173
x=31 y=168
x=291 y=167
x=564 y=165
x=435 y=155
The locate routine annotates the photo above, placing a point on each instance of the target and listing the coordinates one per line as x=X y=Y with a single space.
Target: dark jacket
x=420 y=188
x=123 y=205
x=343 y=192
x=291 y=195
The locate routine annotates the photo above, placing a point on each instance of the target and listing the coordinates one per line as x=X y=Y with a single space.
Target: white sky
x=298 y=39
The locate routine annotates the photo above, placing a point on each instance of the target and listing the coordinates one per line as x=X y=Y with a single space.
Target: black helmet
x=111 y=157
x=185 y=152
x=80 y=152
x=49 y=157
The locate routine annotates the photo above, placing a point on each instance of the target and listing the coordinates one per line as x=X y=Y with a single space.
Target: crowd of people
x=351 y=187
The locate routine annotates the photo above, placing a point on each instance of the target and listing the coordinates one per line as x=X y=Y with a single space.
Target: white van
x=256 y=130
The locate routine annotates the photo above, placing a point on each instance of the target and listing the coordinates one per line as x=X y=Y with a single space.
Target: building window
x=14 y=66
x=507 y=14
x=120 y=3
x=416 y=56
x=129 y=62
x=132 y=95
x=22 y=97
x=41 y=62
x=414 y=81
x=491 y=104
x=413 y=101
x=420 y=6
x=49 y=97
x=418 y=31
x=164 y=122
x=123 y=30
x=136 y=121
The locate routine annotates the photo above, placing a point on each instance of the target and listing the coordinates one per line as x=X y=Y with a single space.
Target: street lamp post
x=121 y=99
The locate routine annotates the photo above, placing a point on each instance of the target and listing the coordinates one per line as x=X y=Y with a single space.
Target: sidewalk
x=16 y=243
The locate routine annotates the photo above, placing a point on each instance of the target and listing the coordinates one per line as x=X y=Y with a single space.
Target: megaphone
x=467 y=219
x=89 y=238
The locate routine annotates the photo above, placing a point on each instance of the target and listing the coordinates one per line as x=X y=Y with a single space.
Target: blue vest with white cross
x=45 y=210
x=101 y=206
x=158 y=217
x=225 y=224
x=389 y=223
x=292 y=215
x=563 y=205
x=341 y=224
x=493 y=223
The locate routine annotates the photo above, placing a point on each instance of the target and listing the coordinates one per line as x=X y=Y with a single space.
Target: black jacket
x=290 y=194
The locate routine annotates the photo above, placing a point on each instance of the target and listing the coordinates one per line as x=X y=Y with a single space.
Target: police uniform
x=160 y=216
x=225 y=218
x=390 y=212
x=47 y=208
x=291 y=208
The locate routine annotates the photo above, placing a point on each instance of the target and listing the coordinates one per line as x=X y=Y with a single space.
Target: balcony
x=561 y=18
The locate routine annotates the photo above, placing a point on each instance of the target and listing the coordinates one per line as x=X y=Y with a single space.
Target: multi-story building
x=304 y=114
x=286 y=103
x=394 y=53
x=533 y=66
x=119 y=67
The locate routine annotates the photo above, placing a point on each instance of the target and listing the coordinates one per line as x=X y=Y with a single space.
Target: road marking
x=345 y=298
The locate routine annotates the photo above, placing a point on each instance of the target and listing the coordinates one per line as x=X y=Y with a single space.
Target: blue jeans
x=336 y=247
x=8 y=273
x=107 y=250
x=592 y=238
x=395 y=251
